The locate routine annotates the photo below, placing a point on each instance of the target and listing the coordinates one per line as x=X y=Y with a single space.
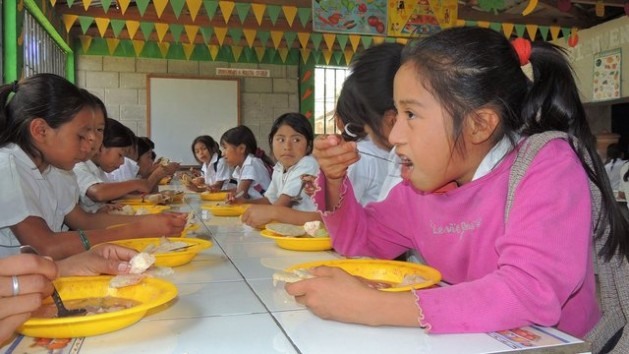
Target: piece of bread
x=286 y=229
x=122 y=280
x=292 y=276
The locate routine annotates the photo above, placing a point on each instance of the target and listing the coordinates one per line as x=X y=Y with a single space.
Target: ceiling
x=582 y=14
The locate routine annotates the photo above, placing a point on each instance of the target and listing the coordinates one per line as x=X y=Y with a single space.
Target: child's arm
x=104 y=192
x=260 y=215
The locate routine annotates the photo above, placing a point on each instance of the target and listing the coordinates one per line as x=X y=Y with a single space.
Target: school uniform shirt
x=25 y=191
x=393 y=175
x=288 y=182
x=87 y=175
x=127 y=171
x=613 y=172
x=624 y=185
x=222 y=173
x=535 y=268
x=253 y=169
x=369 y=173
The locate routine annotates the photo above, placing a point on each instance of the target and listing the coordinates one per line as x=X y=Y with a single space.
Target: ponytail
x=268 y=163
x=5 y=132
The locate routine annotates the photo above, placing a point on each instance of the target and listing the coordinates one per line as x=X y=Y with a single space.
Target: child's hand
x=101 y=259
x=258 y=215
x=165 y=224
x=334 y=155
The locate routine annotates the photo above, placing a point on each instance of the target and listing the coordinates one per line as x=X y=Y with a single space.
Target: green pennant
x=125 y=49
x=142 y=5
x=147 y=29
x=70 y=3
x=151 y=50
x=274 y=12
x=316 y=40
x=342 y=39
x=293 y=57
x=543 y=30
x=271 y=53
x=106 y=4
x=496 y=26
x=565 y=31
x=249 y=55
x=290 y=38
x=242 y=8
x=236 y=34
x=519 y=30
x=175 y=30
x=177 y=6
x=316 y=56
x=175 y=51
x=471 y=24
x=366 y=41
x=206 y=32
x=304 y=15
x=85 y=22
x=263 y=36
x=117 y=26
x=388 y=40
x=210 y=8
x=337 y=57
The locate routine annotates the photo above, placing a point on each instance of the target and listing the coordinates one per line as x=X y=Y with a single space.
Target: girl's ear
x=38 y=128
x=242 y=149
x=481 y=125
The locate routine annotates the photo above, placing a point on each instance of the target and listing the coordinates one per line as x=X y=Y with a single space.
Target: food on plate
x=93 y=305
x=286 y=229
x=129 y=210
x=292 y=276
x=139 y=263
x=165 y=246
x=164 y=161
x=316 y=229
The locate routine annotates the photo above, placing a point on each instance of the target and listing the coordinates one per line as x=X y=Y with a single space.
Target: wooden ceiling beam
x=469 y=14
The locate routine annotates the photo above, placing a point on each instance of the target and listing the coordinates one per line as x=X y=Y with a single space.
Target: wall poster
x=606 y=76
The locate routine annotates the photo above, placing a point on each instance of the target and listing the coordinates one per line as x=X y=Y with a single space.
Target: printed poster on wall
x=350 y=16
x=420 y=18
x=606 y=78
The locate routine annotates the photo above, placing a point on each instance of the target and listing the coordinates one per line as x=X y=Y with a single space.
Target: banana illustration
x=530 y=7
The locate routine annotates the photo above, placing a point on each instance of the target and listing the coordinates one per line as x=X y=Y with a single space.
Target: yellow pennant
x=329 y=38
x=354 y=40
x=402 y=41
x=378 y=40
x=258 y=12
x=237 y=51
x=348 y=55
x=163 y=48
x=112 y=44
x=483 y=24
x=532 y=31
x=132 y=28
x=194 y=6
x=86 y=42
x=227 y=7
x=161 y=29
x=138 y=46
x=124 y=5
x=290 y=12
x=305 y=54
x=460 y=23
x=102 y=23
x=260 y=53
x=554 y=32
x=69 y=20
x=507 y=29
x=276 y=36
x=160 y=5
x=220 y=33
x=213 y=50
x=303 y=37
x=191 y=32
x=53 y=2
x=327 y=55
x=283 y=54
x=86 y=4
x=250 y=36
x=188 y=48
x=599 y=8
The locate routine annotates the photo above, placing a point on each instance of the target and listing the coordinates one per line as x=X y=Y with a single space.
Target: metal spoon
x=62 y=311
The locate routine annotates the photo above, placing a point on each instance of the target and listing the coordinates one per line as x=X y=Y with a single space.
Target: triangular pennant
x=163 y=48
x=188 y=48
x=599 y=8
x=483 y=24
x=132 y=28
x=175 y=30
x=276 y=36
x=236 y=34
x=191 y=32
x=543 y=30
x=147 y=29
x=249 y=55
x=70 y=3
x=102 y=23
x=342 y=39
x=390 y=39
x=402 y=41
x=519 y=30
x=142 y=5
x=112 y=44
x=554 y=32
x=227 y=7
x=160 y=6
x=354 y=40
x=304 y=15
x=565 y=31
x=236 y=51
x=507 y=29
x=366 y=40
x=86 y=4
x=263 y=36
x=161 y=29
x=242 y=9
x=348 y=56
x=210 y=8
x=283 y=54
x=289 y=12
x=327 y=55
x=290 y=38
x=305 y=54
x=532 y=31
x=85 y=23
x=177 y=6
x=104 y=3
x=124 y=5
x=250 y=36
x=460 y=23
x=137 y=47
x=258 y=12
x=303 y=39
x=53 y=2
x=193 y=7
x=260 y=53
x=116 y=26
x=378 y=40
x=329 y=40
x=274 y=12
x=213 y=51
x=270 y=54
x=317 y=56
x=496 y=26
x=220 y=32
x=86 y=41
x=206 y=32
x=337 y=57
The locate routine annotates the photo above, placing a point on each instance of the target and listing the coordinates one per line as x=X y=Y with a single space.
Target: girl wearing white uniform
x=251 y=165
x=47 y=125
x=217 y=174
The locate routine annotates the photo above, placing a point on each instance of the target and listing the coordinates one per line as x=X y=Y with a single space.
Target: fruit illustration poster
x=350 y=16
x=415 y=18
x=606 y=77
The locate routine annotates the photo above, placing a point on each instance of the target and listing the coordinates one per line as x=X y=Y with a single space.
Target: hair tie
x=259 y=153
x=15 y=86
x=523 y=49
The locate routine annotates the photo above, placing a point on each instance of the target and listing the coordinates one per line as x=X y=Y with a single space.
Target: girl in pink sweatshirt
x=464 y=105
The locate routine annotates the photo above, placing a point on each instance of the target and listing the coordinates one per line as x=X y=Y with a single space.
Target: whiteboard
x=181 y=108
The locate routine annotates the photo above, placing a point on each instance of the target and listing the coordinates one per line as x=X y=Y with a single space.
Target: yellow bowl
x=150 y=209
x=184 y=233
x=150 y=293
x=170 y=259
x=214 y=197
x=225 y=210
x=392 y=272
x=299 y=243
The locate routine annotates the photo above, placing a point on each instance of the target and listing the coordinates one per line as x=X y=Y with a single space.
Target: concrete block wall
x=121 y=84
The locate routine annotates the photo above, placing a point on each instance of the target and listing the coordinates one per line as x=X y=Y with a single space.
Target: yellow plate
x=171 y=259
x=214 y=197
x=184 y=233
x=133 y=200
x=151 y=293
x=392 y=272
x=225 y=210
x=299 y=243
x=150 y=209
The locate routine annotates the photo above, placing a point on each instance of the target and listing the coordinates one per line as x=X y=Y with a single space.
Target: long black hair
x=299 y=123
x=118 y=135
x=243 y=135
x=209 y=143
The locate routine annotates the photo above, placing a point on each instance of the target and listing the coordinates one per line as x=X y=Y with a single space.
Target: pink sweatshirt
x=536 y=269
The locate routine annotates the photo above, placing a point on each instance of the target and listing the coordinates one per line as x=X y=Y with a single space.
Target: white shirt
x=87 y=175
x=27 y=192
x=393 y=177
x=368 y=174
x=623 y=186
x=289 y=182
x=253 y=169
x=613 y=172
x=127 y=171
x=223 y=172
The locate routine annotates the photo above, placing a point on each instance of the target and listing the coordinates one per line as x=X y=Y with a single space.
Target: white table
x=227 y=304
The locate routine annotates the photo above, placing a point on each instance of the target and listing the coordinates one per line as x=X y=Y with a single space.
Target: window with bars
x=328 y=83
x=41 y=53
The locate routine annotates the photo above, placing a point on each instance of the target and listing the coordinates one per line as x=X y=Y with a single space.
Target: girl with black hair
x=216 y=173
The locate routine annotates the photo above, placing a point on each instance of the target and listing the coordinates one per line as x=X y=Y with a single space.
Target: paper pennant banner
x=86 y=4
x=290 y=38
x=163 y=48
x=142 y=5
x=354 y=40
x=249 y=54
x=342 y=40
x=102 y=23
x=236 y=34
x=327 y=55
x=317 y=56
x=210 y=8
x=303 y=37
x=86 y=41
x=194 y=6
x=160 y=6
x=138 y=46
x=85 y=23
x=378 y=40
x=258 y=12
x=124 y=5
x=348 y=55
x=177 y=6
x=191 y=32
x=274 y=12
x=483 y=24
x=402 y=41
x=236 y=51
x=250 y=36
x=161 y=29
x=116 y=26
x=507 y=29
x=554 y=32
x=147 y=29
x=519 y=30
x=132 y=28
x=531 y=30
x=283 y=54
x=242 y=9
x=70 y=3
x=213 y=51
x=206 y=32
x=175 y=30
x=220 y=32
x=260 y=53
x=227 y=7
x=188 y=49
x=305 y=54
x=263 y=36
x=543 y=30
x=290 y=12
x=276 y=36
x=112 y=44
x=337 y=57
x=329 y=38
x=304 y=15
x=366 y=40
x=496 y=26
